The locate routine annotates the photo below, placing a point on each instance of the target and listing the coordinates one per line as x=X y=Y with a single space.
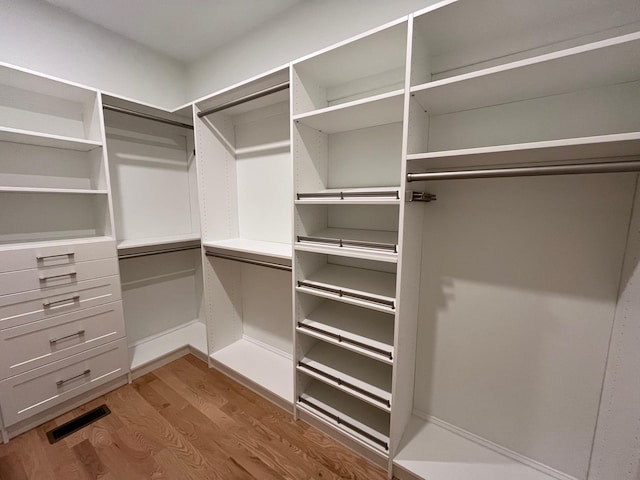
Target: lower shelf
x=193 y=335
x=263 y=370
x=431 y=451
x=360 y=421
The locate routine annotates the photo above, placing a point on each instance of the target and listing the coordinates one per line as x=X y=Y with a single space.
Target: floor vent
x=77 y=423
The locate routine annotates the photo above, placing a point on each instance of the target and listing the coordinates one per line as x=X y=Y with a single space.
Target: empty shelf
x=358 y=329
x=53 y=190
x=192 y=336
x=430 y=451
x=358 y=286
x=580 y=149
x=266 y=371
x=359 y=420
x=152 y=245
x=350 y=372
x=46 y=140
x=377 y=110
x=367 y=244
x=608 y=62
x=351 y=196
x=256 y=247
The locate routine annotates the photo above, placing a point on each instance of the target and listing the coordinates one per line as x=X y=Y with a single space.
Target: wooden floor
x=183 y=421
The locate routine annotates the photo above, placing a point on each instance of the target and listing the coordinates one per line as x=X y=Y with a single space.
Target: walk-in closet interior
x=423 y=240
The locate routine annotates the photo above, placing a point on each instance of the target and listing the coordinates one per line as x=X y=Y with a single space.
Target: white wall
x=304 y=29
x=38 y=36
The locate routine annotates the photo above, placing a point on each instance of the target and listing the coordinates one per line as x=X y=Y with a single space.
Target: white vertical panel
x=616 y=452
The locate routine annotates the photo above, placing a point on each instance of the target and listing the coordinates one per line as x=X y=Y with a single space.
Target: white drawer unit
x=39 y=343
x=42 y=388
x=25 y=307
x=69 y=253
x=43 y=278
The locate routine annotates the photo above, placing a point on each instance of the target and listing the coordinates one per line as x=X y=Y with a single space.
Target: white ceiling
x=182 y=29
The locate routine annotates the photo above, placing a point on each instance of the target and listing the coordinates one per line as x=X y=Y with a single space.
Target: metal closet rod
x=245 y=99
x=602 y=167
x=146 y=116
x=157 y=252
x=250 y=261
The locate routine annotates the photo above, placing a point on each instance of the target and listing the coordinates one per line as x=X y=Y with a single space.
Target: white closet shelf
x=369 y=112
x=158 y=244
x=431 y=451
x=376 y=245
x=349 y=372
x=264 y=367
x=351 y=196
x=147 y=351
x=53 y=190
x=28 y=137
x=239 y=246
x=367 y=288
x=612 y=61
x=359 y=420
x=357 y=329
x=583 y=149
x=53 y=243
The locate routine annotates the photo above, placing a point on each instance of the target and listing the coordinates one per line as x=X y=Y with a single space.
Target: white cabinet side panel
x=519 y=287
x=616 y=453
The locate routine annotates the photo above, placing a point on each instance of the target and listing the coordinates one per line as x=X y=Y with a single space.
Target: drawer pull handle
x=60 y=383
x=70 y=274
x=64 y=300
x=79 y=333
x=44 y=257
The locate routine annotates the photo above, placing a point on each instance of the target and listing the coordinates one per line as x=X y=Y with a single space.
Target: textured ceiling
x=182 y=29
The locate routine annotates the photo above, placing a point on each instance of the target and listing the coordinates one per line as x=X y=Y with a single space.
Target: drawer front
x=21 y=308
x=37 y=390
x=38 y=343
x=58 y=255
x=46 y=278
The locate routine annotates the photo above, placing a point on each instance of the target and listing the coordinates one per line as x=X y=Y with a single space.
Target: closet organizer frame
x=153 y=343
x=568 y=61
x=53 y=177
x=56 y=211
x=335 y=114
x=243 y=139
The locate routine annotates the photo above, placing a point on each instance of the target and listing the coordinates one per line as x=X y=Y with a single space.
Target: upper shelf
x=612 y=61
x=351 y=196
x=454 y=37
x=254 y=247
x=583 y=149
x=138 y=247
x=27 y=137
x=369 y=112
x=332 y=77
x=74 y=191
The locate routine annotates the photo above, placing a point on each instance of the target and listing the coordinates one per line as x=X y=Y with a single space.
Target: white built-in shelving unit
x=157 y=223
x=245 y=175
x=349 y=202
x=62 y=336
x=52 y=177
x=360 y=248
x=520 y=276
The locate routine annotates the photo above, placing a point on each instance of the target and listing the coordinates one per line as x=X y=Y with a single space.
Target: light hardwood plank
x=183 y=421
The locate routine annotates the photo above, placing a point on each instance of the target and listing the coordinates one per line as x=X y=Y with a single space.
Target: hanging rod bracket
x=413 y=196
